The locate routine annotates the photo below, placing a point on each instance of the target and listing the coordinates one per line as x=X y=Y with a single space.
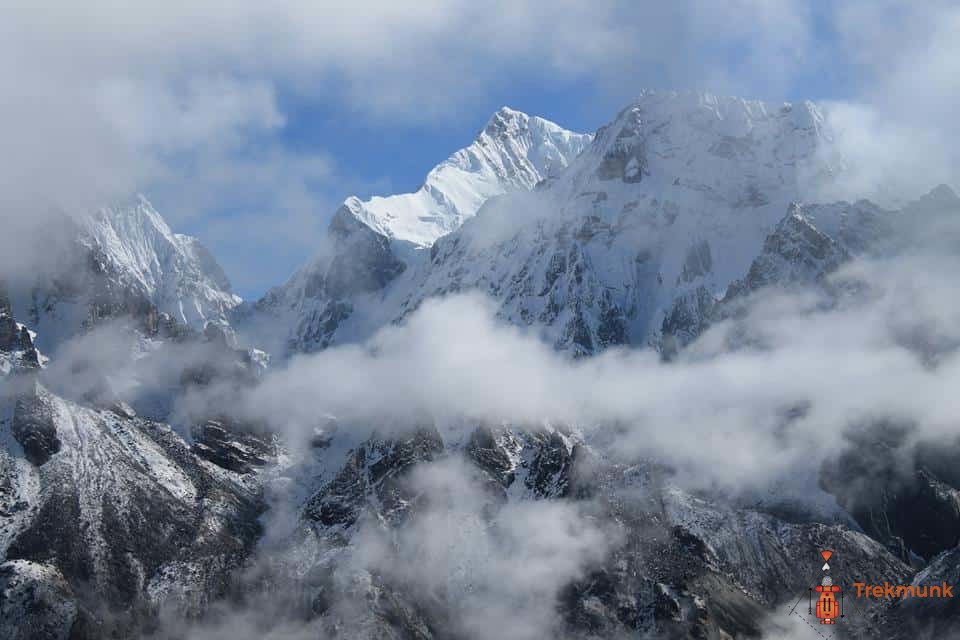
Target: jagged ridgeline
x=136 y=502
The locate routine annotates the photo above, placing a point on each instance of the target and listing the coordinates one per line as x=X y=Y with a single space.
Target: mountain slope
x=806 y=247
x=513 y=152
x=371 y=243
x=677 y=194
x=177 y=273
x=105 y=517
x=122 y=262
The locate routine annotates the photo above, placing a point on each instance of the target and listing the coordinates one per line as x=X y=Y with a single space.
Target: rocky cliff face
x=106 y=518
x=665 y=562
x=808 y=246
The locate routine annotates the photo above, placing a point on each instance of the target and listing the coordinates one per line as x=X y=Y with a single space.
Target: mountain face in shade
x=104 y=514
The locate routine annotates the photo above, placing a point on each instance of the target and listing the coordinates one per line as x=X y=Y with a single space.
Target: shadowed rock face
x=690 y=316
x=678 y=566
x=231 y=447
x=12 y=337
x=919 y=618
x=34 y=428
x=15 y=338
x=117 y=533
x=104 y=517
x=624 y=159
x=893 y=491
x=797 y=254
x=375 y=470
x=490 y=450
x=364 y=261
x=35 y=602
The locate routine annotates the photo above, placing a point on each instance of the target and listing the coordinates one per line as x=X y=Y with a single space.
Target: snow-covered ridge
x=727 y=148
x=632 y=244
x=674 y=197
x=371 y=243
x=513 y=152
x=175 y=272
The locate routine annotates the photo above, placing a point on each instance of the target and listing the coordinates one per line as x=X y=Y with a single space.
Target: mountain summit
x=122 y=261
x=514 y=151
x=673 y=198
x=372 y=242
x=176 y=272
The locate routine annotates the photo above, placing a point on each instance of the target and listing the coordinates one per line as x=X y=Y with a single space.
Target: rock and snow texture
x=674 y=198
x=513 y=152
x=123 y=262
x=372 y=242
x=677 y=195
x=35 y=602
x=105 y=516
x=668 y=564
x=177 y=273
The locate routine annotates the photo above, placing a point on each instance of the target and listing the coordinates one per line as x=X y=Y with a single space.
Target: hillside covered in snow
x=589 y=386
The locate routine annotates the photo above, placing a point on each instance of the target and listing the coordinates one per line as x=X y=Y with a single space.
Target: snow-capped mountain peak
x=371 y=243
x=514 y=151
x=175 y=271
x=672 y=200
x=726 y=148
x=122 y=261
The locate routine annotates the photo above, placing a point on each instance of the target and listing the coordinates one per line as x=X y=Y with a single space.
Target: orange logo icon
x=829 y=605
x=828 y=609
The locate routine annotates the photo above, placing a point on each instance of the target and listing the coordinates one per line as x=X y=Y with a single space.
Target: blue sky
x=247 y=127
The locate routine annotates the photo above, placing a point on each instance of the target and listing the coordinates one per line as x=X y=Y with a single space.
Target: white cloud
x=716 y=414
x=198 y=111
x=898 y=128
x=506 y=564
